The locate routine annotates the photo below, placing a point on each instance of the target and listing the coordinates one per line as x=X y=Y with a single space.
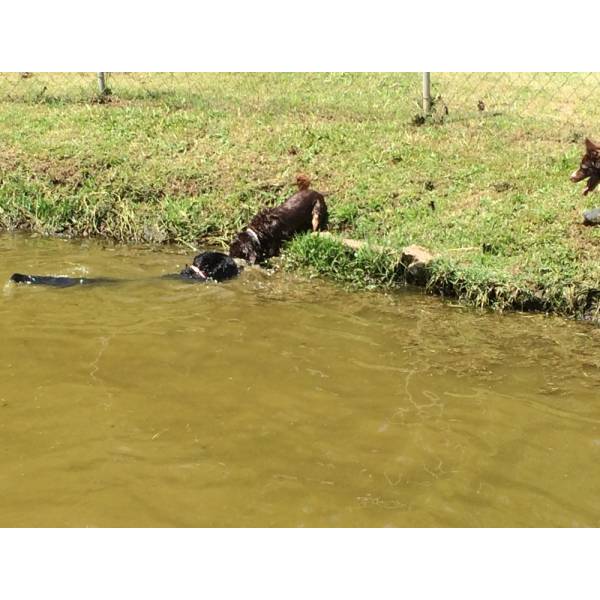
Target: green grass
x=191 y=158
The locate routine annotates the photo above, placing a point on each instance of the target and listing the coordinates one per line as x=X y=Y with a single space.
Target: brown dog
x=589 y=167
x=269 y=229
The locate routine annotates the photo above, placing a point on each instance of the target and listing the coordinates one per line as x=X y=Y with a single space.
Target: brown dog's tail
x=303 y=182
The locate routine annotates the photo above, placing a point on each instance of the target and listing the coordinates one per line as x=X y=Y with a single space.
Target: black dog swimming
x=211 y=266
x=206 y=267
x=57 y=281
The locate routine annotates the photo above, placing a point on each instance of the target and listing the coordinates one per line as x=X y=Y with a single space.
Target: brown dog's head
x=589 y=167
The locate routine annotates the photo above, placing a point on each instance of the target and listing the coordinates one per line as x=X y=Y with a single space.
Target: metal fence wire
x=566 y=96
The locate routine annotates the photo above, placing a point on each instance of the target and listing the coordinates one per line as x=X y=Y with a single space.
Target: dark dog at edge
x=272 y=227
x=589 y=167
x=207 y=266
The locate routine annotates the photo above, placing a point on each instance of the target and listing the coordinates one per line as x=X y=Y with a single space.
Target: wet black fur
x=213 y=266
x=57 y=281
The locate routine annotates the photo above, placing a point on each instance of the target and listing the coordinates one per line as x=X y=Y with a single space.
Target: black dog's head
x=20 y=278
x=211 y=265
x=245 y=246
x=589 y=167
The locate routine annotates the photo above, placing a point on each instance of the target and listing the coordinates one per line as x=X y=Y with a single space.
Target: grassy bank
x=488 y=193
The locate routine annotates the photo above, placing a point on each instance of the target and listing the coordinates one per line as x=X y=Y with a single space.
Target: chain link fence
x=565 y=96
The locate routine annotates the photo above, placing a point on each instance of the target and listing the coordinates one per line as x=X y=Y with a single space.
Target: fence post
x=101 y=84
x=426 y=93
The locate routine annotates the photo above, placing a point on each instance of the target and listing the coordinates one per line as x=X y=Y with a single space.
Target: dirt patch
x=467 y=202
x=9 y=160
x=502 y=186
x=271 y=188
x=55 y=172
x=109 y=101
x=180 y=187
x=63 y=172
x=585 y=240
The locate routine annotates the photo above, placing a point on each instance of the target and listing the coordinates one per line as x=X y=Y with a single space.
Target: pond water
x=272 y=400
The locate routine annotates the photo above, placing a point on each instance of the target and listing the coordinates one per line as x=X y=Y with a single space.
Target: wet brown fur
x=305 y=211
x=589 y=167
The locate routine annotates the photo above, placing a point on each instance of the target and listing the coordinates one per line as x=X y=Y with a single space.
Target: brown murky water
x=273 y=401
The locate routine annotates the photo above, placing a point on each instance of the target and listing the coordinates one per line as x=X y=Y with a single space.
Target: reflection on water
x=274 y=401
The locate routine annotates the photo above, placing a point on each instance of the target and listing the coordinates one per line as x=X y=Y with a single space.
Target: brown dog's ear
x=590 y=146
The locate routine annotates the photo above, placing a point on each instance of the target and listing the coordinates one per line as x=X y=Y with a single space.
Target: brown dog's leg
x=315 y=221
x=319 y=216
x=592 y=183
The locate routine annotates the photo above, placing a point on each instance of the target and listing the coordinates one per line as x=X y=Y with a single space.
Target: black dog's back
x=207 y=266
x=57 y=281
